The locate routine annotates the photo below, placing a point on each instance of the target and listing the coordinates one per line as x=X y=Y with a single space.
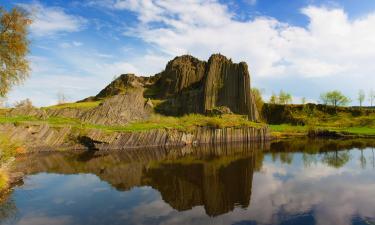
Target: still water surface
x=291 y=182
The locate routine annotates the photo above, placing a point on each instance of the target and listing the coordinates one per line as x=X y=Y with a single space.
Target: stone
x=189 y=85
x=119 y=109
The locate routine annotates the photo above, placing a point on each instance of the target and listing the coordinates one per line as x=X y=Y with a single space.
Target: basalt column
x=228 y=84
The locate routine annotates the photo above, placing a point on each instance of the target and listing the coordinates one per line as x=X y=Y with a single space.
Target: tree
x=14 y=46
x=274 y=99
x=361 y=97
x=257 y=95
x=371 y=97
x=334 y=98
x=61 y=98
x=284 y=97
x=26 y=103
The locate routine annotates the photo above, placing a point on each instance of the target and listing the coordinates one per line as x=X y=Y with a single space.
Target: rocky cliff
x=41 y=137
x=189 y=85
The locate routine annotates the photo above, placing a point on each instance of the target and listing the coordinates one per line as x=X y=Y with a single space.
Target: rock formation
x=188 y=85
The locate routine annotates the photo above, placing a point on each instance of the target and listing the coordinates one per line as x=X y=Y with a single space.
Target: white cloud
x=70 y=44
x=52 y=20
x=331 y=52
x=332 y=45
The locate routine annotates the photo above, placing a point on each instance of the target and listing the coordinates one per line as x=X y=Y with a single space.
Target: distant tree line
x=282 y=98
x=334 y=98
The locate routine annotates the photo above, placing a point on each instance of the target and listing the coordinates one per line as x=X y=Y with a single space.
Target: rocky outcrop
x=228 y=84
x=189 y=85
x=119 y=109
x=200 y=87
x=36 y=137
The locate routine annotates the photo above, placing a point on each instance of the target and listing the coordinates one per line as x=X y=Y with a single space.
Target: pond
x=298 y=181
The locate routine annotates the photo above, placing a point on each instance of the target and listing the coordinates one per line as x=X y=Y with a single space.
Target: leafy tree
x=26 y=103
x=371 y=97
x=361 y=97
x=14 y=46
x=274 y=99
x=61 y=98
x=257 y=94
x=284 y=98
x=334 y=98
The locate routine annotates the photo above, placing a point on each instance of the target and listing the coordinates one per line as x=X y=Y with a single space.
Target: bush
x=8 y=149
x=24 y=104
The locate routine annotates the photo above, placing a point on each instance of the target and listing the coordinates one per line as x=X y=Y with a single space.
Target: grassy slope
x=343 y=121
x=75 y=105
x=184 y=123
x=8 y=150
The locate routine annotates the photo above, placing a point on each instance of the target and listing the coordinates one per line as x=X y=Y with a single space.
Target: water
x=291 y=182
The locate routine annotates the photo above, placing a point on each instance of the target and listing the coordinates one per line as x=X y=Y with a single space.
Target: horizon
x=304 y=48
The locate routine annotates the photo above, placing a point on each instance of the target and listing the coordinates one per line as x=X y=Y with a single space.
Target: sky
x=304 y=47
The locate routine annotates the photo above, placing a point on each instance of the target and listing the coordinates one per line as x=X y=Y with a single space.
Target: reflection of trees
x=336 y=159
x=8 y=208
x=362 y=160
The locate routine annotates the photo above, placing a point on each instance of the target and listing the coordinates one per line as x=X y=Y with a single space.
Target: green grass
x=3 y=180
x=8 y=149
x=184 y=123
x=290 y=129
x=75 y=105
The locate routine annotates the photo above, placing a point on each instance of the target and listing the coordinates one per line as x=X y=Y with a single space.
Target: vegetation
x=283 y=98
x=3 y=180
x=257 y=94
x=185 y=123
x=14 y=47
x=8 y=149
x=371 y=97
x=75 y=105
x=361 y=97
x=334 y=98
x=298 y=119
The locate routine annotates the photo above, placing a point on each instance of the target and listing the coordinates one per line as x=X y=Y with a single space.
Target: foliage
x=61 y=98
x=8 y=149
x=257 y=95
x=26 y=103
x=299 y=118
x=14 y=47
x=3 y=180
x=273 y=99
x=371 y=97
x=334 y=98
x=283 y=98
x=361 y=97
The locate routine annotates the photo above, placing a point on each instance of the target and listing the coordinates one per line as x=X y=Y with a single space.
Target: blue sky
x=304 y=47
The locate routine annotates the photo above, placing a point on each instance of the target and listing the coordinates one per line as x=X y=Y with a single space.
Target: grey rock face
x=119 y=109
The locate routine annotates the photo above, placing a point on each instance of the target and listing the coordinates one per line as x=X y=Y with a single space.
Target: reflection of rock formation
x=217 y=184
x=218 y=177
